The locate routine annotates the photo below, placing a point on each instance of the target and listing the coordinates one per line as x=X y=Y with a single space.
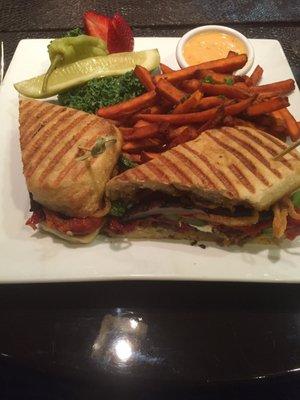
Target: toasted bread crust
x=153 y=233
x=225 y=166
x=50 y=137
x=158 y=232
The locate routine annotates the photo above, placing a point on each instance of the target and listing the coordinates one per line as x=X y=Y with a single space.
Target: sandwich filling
x=70 y=226
x=233 y=225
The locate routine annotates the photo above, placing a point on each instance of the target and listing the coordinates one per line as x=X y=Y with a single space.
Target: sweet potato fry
x=210 y=102
x=147 y=131
x=223 y=89
x=232 y=54
x=148 y=156
x=190 y=104
x=126 y=131
x=273 y=121
x=169 y=91
x=187 y=134
x=268 y=95
x=283 y=87
x=291 y=124
x=239 y=107
x=267 y=106
x=224 y=65
x=191 y=85
x=181 y=119
x=165 y=69
x=255 y=77
x=140 y=123
x=173 y=133
x=242 y=86
x=216 y=77
x=128 y=107
x=235 y=121
x=277 y=115
x=133 y=157
x=144 y=77
x=215 y=121
x=156 y=109
x=139 y=145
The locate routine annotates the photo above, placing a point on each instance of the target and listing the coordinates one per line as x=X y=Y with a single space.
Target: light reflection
x=123 y=349
x=119 y=342
x=133 y=323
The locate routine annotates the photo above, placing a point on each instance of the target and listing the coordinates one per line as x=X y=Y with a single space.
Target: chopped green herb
x=102 y=92
x=229 y=81
x=124 y=163
x=296 y=199
x=267 y=231
x=221 y=96
x=118 y=209
x=208 y=79
x=74 y=32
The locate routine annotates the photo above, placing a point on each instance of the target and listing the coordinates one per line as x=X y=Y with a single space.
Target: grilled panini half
x=226 y=167
x=52 y=140
x=223 y=187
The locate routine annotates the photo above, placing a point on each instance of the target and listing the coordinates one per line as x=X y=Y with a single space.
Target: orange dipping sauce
x=211 y=45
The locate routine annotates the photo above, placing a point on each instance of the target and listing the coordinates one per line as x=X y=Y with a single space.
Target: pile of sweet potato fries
x=179 y=105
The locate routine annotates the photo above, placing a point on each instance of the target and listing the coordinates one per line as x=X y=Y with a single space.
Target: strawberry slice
x=96 y=24
x=119 y=35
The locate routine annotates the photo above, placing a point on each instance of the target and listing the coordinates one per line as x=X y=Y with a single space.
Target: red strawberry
x=119 y=35
x=96 y=24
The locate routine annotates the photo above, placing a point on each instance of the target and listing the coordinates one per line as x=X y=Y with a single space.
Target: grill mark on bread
x=67 y=146
x=269 y=149
x=194 y=168
x=137 y=173
x=41 y=124
x=160 y=175
x=37 y=144
x=46 y=151
x=34 y=111
x=276 y=141
x=241 y=178
x=244 y=160
x=184 y=178
x=72 y=163
x=253 y=151
x=26 y=110
x=219 y=174
x=23 y=104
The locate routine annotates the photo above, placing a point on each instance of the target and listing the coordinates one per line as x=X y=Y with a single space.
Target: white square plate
x=34 y=257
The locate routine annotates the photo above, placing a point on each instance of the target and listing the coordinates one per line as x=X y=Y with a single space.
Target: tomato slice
x=78 y=226
x=36 y=217
x=293 y=229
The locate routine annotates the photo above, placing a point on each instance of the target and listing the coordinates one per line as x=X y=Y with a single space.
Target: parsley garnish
x=229 y=81
x=118 y=209
x=124 y=163
x=102 y=92
x=208 y=79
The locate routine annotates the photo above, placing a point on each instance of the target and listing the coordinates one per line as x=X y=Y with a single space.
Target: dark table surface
x=151 y=339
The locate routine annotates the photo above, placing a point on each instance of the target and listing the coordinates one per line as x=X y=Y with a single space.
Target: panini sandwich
x=68 y=157
x=223 y=186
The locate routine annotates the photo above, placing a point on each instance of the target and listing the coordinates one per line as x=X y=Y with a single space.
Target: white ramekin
x=250 y=51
